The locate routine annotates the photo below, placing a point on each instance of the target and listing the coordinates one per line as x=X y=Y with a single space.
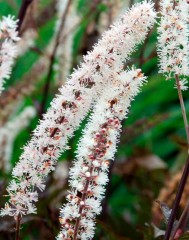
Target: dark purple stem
x=177 y=200
x=186 y=168
x=22 y=12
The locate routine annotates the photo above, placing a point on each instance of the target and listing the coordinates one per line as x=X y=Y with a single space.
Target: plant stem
x=18 y=221
x=22 y=12
x=182 y=221
x=84 y=195
x=182 y=109
x=177 y=200
x=186 y=168
x=53 y=55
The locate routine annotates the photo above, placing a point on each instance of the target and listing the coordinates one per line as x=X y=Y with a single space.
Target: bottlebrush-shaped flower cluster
x=89 y=175
x=173 y=46
x=8 y=48
x=72 y=104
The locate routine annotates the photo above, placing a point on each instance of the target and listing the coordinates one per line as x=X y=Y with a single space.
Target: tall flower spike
x=173 y=46
x=8 y=48
x=88 y=176
x=72 y=104
x=174 y=56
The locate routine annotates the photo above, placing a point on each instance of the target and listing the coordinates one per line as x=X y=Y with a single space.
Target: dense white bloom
x=8 y=48
x=173 y=46
x=77 y=217
x=8 y=133
x=74 y=101
x=182 y=84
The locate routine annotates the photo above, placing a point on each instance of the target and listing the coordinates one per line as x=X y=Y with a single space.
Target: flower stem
x=182 y=221
x=183 y=109
x=18 y=221
x=22 y=12
x=177 y=200
x=81 y=207
x=186 y=168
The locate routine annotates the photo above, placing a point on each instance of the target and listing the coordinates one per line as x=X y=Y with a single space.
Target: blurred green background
x=153 y=145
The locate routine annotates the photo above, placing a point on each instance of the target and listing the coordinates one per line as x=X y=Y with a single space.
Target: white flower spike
x=88 y=176
x=173 y=46
x=8 y=47
x=72 y=104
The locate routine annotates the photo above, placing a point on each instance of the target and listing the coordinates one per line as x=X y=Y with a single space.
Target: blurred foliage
x=154 y=128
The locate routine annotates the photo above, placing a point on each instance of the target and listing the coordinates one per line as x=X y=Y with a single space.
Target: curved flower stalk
x=88 y=176
x=173 y=46
x=71 y=106
x=173 y=50
x=9 y=132
x=8 y=48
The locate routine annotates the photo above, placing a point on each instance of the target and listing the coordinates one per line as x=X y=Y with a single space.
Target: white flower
x=78 y=95
x=8 y=48
x=31 y=209
x=104 y=128
x=173 y=46
x=182 y=84
x=89 y=229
